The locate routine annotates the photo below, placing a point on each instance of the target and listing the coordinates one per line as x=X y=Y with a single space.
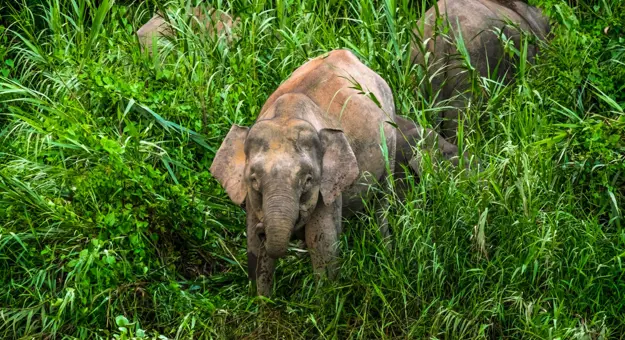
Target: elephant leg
x=260 y=267
x=322 y=233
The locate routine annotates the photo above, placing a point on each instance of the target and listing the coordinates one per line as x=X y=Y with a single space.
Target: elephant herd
x=319 y=144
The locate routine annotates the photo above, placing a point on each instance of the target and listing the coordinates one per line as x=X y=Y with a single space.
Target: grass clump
x=111 y=225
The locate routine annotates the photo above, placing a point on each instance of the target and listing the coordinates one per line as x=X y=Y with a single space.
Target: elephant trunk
x=281 y=211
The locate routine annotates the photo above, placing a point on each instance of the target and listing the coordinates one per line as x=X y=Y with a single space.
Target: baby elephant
x=479 y=22
x=310 y=158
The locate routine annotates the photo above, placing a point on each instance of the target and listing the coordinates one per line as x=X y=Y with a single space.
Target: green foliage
x=112 y=227
x=588 y=119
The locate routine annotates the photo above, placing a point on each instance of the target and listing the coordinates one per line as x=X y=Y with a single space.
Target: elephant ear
x=340 y=168
x=229 y=164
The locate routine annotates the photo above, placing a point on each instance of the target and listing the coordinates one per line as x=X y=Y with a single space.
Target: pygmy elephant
x=481 y=23
x=215 y=22
x=310 y=157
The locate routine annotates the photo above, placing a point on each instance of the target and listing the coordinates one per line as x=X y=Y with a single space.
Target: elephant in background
x=480 y=23
x=215 y=22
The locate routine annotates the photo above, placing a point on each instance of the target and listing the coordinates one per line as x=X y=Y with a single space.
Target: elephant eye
x=308 y=182
x=254 y=182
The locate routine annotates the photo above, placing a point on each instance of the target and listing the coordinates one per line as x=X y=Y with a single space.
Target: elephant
x=309 y=159
x=479 y=22
x=218 y=22
x=411 y=138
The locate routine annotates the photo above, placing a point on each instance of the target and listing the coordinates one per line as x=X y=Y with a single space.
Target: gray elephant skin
x=309 y=159
x=478 y=21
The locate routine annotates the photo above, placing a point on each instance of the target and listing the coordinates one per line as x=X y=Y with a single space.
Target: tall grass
x=111 y=225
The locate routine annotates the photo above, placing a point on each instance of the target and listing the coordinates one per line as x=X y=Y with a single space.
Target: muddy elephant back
x=365 y=120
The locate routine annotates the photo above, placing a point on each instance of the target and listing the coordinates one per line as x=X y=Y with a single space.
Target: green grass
x=112 y=226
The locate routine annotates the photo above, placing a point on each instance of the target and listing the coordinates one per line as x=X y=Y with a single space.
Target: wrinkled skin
x=479 y=21
x=309 y=159
x=215 y=22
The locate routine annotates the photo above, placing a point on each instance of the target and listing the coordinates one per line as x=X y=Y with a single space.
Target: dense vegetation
x=112 y=226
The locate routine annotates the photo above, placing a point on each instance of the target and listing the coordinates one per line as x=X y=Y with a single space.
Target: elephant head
x=280 y=167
